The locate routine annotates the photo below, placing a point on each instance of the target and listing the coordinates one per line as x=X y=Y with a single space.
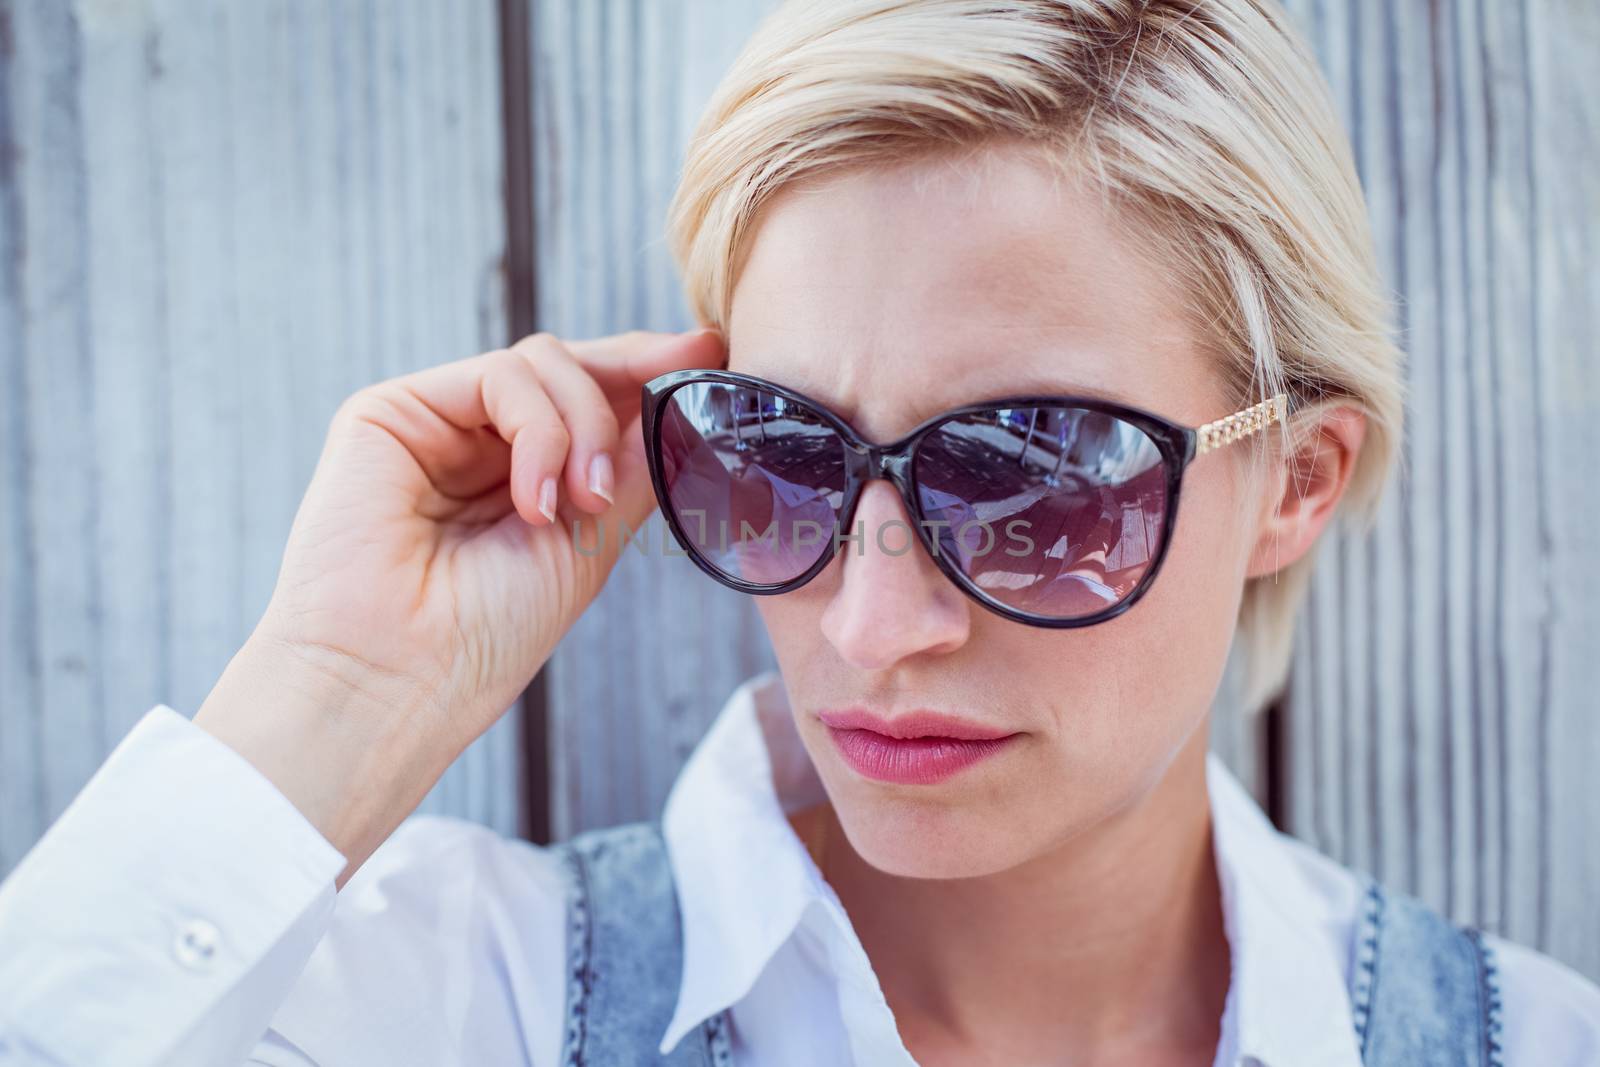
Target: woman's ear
x=1303 y=488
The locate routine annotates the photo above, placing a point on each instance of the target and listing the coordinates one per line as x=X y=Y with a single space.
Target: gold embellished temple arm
x=1230 y=428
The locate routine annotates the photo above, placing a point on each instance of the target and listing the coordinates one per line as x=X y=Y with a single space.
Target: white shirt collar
x=745 y=882
x=1289 y=995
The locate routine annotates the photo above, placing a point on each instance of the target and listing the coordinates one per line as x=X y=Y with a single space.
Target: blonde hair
x=1206 y=120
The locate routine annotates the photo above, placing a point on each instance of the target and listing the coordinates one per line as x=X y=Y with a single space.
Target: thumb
x=620 y=364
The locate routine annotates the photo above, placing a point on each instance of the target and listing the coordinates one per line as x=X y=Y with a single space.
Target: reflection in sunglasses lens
x=1054 y=511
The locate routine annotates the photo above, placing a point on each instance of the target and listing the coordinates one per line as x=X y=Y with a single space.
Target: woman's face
x=890 y=296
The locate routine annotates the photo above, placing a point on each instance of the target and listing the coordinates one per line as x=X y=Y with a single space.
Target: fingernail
x=601 y=477
x=547 y=499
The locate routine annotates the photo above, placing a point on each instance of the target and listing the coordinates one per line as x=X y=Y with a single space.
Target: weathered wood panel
x=1441 y=727
x=216 y=220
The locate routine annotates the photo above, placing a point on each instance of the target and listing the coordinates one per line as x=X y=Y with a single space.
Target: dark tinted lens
x=754 y=480
x=1055 y=511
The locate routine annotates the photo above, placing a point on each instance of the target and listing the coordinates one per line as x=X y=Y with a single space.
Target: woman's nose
x=892 y=601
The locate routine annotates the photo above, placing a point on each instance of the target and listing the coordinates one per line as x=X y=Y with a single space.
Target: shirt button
x=196 y=944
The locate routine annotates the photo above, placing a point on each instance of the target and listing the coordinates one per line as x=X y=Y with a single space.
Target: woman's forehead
x=964 y=282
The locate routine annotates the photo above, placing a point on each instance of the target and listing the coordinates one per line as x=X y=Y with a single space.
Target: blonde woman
x=991 y=289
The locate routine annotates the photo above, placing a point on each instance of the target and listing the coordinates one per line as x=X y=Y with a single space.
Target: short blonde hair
x=1208 y=120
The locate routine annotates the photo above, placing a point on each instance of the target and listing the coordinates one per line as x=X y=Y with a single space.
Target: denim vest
x=1423 y=990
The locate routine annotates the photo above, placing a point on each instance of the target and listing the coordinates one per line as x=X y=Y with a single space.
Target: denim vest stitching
x=1489 y=994
x=717 y=1042
x=1366 y=961
x=580 y=979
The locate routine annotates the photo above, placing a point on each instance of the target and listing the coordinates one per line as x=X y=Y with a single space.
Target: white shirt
x=182 y=911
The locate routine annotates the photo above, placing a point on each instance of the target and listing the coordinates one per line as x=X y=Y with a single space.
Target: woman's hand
x=432 y=568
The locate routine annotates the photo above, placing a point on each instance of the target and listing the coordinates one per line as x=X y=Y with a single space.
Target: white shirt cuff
x=177 y=885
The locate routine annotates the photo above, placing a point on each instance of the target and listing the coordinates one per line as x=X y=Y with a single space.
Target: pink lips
x=916 y=749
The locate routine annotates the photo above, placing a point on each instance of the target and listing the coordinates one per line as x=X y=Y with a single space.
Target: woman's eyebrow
x=925 y=403
x=1041 y=384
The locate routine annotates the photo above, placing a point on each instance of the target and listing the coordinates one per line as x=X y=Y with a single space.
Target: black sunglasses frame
x=895 y=461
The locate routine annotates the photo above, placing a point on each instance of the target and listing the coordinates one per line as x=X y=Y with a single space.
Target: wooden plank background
x=1441 y=728
x=217 y=220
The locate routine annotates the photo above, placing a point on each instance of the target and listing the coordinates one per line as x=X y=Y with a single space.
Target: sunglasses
x=1052 y=511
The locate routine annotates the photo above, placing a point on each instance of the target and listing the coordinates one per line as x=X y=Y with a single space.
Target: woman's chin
x=895 y=839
